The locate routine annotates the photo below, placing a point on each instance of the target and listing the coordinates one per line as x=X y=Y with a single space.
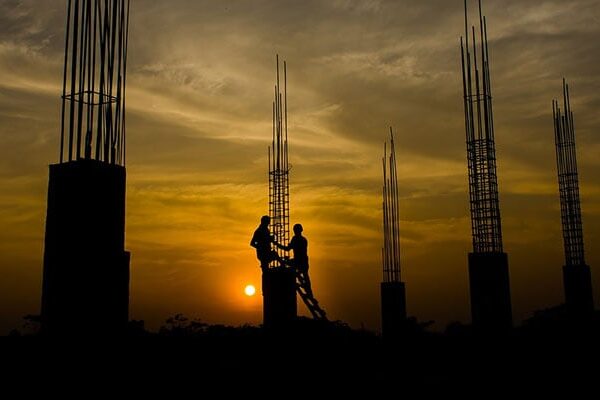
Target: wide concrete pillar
x=280 y=307
x=393 y=308
x=579 y=297
x=491 y=308
x=86 y=268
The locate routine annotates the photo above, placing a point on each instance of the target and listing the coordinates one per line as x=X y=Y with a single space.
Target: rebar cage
x=486 y=224
x=391 y=215
x=279 y=170
x=94 y=81
x=568 y=180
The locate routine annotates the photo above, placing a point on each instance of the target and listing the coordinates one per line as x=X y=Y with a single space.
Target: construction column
x=491 y=309
x=86 y=268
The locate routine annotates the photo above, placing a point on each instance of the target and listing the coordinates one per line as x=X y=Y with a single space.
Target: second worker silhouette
x=299 y=245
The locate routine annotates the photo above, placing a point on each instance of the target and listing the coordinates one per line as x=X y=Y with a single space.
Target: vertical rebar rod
x=89 y=89
x=64 y=90
x=386 y=264
x=73 y=76
x=124 y=128
x=93 y=94
x=81 y=66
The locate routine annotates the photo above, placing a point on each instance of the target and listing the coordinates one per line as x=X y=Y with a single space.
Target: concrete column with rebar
x=577 y=276
x=488 y=264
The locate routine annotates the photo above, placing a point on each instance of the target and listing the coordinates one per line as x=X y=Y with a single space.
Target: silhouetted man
x=299 y=245
x=261 y=241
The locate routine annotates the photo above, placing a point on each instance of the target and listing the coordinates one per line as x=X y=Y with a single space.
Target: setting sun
x=250 y=290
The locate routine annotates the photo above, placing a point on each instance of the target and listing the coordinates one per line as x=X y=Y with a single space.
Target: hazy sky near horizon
x=200 y=84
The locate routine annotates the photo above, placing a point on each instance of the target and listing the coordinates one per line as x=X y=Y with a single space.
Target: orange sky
x=199 y=123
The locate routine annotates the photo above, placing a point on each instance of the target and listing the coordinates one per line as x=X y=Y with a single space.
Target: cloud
x=200 y=88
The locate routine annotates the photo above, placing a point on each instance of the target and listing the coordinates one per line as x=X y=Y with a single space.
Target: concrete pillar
x=579 y=297
x=280 y=306
x=86 y=268
x=393 y=308
x=491 y=308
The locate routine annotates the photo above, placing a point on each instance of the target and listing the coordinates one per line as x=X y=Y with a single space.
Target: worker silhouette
x=261 y=241
x=299 y=245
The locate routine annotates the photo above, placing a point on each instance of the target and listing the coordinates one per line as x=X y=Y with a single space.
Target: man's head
x=265 y=220
x=298 y=229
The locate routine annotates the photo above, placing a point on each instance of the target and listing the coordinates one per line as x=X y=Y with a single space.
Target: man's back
x=261 y=240
x=300 y=246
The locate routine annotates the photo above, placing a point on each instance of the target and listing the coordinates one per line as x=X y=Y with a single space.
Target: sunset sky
x=200 y=84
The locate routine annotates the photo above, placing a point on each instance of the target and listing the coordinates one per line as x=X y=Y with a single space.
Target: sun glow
x=250 y=290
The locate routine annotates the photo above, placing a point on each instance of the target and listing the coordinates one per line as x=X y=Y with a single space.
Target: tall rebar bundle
x=481 y=150
x=491 y=308
x=568 y=180
x=393 y=290
x=85 y=287
x=94 y=81
x=279 y=171
x=391 y=216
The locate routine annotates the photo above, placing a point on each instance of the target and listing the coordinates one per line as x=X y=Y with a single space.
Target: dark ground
x=545 y=355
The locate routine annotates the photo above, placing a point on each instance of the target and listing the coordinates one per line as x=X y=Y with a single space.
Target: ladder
x=311 y=303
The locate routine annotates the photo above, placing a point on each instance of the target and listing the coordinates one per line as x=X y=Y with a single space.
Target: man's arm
x=289 y=247
x=282 y=247
x=253 y=240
